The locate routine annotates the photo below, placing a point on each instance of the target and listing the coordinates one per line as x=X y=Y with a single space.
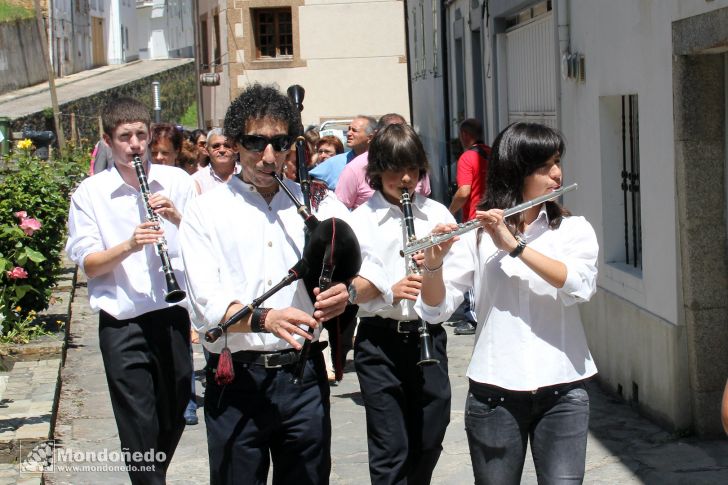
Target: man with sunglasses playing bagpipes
x=261 y=410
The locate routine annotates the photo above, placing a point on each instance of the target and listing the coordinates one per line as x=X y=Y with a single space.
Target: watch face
x=352 y=294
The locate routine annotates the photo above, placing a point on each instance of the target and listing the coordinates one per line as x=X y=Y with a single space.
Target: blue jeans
x=499 y=423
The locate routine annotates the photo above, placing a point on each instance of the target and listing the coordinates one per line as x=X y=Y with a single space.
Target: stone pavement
x=623 y=447
x=29 y=377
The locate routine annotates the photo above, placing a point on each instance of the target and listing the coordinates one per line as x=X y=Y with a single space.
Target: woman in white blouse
x=531 y=358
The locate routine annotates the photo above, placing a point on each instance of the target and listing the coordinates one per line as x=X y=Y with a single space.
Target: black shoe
x=464 y=328
x=191 y=418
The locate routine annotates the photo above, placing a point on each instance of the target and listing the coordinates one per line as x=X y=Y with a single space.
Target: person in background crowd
x=101 y=158
x=353 y=188
x=361 y=130
x=327 y=147
x=165 y=144
x=724 y=409
x=530 y=362
x=311 y=136
x=187 y=157
x=472 y=169
x=199 y=138
x=223 y=162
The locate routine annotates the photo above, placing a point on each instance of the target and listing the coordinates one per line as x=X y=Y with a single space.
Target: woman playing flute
x=530 y=362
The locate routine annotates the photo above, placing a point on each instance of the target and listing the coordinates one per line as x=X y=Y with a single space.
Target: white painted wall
x=635 y=325
x=164 y=29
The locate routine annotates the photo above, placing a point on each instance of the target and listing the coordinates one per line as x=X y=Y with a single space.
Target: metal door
x=531 y=72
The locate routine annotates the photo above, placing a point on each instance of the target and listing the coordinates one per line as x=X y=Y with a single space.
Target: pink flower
x=21 y=215
x=29 y=226
x=17 y=273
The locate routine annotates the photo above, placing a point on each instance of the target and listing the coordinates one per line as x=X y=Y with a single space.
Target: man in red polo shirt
x=472 y=170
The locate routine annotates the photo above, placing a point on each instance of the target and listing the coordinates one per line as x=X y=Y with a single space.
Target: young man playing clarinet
x=237 y=241
x=406 y=390
x=145 y=341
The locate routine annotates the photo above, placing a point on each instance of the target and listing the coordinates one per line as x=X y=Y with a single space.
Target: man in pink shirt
x=353 y=189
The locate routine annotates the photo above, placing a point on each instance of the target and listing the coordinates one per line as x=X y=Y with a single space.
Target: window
x=273 y=33
x=435 y=39
x=204 y=45
x=619 y=119
x=216 y=56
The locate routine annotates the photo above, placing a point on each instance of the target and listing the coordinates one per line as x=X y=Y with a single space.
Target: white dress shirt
x=104 y=212
x=380 y=228
x=236 y=247
x=529 y=333
x=207 y=179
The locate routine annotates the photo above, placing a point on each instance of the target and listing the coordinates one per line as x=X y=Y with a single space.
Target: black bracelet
x=257 y=320
x=519 y=249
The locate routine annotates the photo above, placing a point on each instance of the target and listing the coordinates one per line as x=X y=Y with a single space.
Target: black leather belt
x=272 y=360
x=400 y=326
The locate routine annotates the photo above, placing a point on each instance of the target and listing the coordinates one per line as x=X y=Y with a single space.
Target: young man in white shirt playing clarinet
x=407 y=405
x=145 y=341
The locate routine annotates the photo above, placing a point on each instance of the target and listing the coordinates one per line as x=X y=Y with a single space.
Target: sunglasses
x=215 y=146
x=257 y=143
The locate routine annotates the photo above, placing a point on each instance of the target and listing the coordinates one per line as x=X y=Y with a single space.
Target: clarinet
x=412 y=268
x=174 y=293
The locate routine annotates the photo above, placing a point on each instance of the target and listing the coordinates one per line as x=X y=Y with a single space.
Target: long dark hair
x=517 y=152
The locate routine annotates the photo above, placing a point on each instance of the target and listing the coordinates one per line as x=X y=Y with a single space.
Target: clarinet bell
x=426 y=357
x=174 y=293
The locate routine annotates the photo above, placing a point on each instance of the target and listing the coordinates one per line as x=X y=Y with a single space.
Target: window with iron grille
x=273 y=33
x=621 y=206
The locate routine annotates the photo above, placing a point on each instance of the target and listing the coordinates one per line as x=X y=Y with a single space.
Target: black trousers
x=148 y=370
x=261 y=416
x=407 y=406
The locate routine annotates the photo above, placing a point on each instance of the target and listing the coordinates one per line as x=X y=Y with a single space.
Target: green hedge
x=32 y=189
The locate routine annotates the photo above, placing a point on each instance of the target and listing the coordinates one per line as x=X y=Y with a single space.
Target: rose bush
x=34 y=199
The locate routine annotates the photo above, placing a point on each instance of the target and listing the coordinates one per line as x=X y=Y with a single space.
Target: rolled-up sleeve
x=458 y=275
x=83 y=232
x=208 y=297
x=581 y=251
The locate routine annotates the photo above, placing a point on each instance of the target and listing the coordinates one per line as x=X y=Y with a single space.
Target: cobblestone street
x=623 y=447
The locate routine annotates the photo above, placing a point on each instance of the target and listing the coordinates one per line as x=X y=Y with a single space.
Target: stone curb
x=29 y=389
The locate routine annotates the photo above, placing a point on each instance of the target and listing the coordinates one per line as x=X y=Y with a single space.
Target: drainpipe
x=445 y=90
x=564 y=40
x=196 y=55
x=409 y=68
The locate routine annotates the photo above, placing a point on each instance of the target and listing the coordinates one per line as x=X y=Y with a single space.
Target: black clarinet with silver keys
x=174 y=293
x=426 y=357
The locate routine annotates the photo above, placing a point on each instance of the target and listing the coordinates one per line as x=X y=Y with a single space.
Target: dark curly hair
x=517 y=152
x=258 y=102
x=395 y=147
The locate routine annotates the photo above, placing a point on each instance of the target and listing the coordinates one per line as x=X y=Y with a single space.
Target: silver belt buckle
x=270 y=366
x=399 y=326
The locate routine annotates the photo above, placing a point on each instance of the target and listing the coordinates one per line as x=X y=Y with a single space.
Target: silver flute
x=435 y=239
x=174 y=293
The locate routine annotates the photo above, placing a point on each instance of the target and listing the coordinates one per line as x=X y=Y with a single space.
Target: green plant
x=34 y=201
x=189 y=119
x=10 y=12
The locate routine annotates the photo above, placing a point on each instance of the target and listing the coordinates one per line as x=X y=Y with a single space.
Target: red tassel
x=225 y=373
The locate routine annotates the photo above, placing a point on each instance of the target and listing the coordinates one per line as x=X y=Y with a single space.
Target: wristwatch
x=519 y=249
x=352 y=293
